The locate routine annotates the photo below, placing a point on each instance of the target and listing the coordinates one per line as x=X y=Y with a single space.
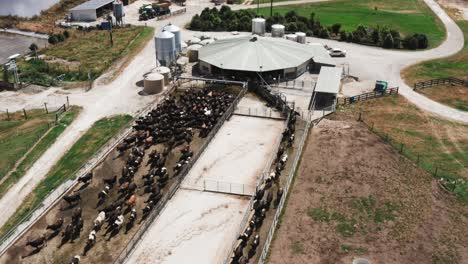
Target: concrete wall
x=83 y=15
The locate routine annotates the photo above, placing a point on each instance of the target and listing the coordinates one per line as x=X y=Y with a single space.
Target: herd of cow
x=249 y=240
x=172 y=124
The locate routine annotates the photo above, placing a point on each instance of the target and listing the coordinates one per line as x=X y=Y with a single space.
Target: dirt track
x=355 y=196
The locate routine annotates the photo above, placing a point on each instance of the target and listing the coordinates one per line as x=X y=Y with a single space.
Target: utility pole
x=271 y=8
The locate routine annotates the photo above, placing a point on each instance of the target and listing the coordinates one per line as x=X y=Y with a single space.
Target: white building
x=91 y=10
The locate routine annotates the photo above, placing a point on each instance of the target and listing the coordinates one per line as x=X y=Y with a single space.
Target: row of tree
x=227 y=20
x=56 y=38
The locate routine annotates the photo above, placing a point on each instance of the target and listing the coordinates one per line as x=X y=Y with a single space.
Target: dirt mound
x=355 y=196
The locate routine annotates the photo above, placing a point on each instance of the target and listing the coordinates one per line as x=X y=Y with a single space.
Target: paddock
x=199 y=226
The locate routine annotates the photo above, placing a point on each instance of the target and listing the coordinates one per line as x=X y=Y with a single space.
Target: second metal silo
x=177 y=36
x=165 y=47
x=258 y=26
x=277 y=31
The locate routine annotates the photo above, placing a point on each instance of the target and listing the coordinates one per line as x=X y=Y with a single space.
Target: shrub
x=309 y=33
x=324 y=33
x=376 y=36
x=423 y=42
x=349 y=37
x=410 y=42
x=53 y=40
x=60 y=37
x=335 y=28
x=343 y=35
x=388 y=41
x=66 y=34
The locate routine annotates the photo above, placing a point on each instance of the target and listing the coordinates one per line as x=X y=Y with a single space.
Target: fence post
x=417 y=159
x=46 y=110
x=372 y=127
x=435 y=172
x=8 y=115
x=68 y=102
x=360 y=116
x=401 y=147
x=25 y=115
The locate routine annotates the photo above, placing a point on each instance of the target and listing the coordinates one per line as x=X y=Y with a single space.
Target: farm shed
x=91 y=10
x=327 y=87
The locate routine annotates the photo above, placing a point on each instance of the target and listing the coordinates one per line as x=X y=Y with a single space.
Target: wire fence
x=219 y=187
x=441 y=81
x=174 y=187
x=448 y=179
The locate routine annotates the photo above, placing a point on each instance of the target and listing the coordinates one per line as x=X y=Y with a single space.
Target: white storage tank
x=153 y=83
x=301 y=37
x=164 y=71
x=177 y=37
x=292 y=37
x=118 y=11
x=183 y=48
x=258 y=26
x=192 y=52
x=165 y=47
x=277 y=31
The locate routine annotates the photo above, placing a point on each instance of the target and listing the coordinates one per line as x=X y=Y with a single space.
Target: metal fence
x=279 y=209
x=368 y=96
x=441 y=81
x=160 y=206
x=258 y=112
x=307 y=85
x=219 y=187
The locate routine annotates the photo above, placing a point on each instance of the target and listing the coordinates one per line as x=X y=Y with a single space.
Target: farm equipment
x=380 y=86
x=149 y=11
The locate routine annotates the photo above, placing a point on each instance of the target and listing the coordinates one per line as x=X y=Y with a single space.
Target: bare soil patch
x=355 y=196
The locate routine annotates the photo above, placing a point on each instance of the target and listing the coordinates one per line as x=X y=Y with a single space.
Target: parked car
x=337 y=53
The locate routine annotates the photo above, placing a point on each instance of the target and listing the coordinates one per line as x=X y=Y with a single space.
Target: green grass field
x=454 y=66
x=407 y=16
x=18 y=135
x=80 y=152
x=93 y=50
x=40 y=148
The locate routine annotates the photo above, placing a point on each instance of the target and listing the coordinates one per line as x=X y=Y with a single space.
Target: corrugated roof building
x=327 y=87
x=90 y=11
x=269 y=56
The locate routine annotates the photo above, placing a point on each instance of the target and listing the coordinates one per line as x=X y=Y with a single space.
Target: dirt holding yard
x=355 y=196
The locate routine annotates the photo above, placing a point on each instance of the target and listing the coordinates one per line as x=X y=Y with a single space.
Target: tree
x=388 y=41
x=335 y=28
x=196 y=23
x=309 y=33
x=343 y=35
x=410 y=42
x=291 y=15
x=422 y=41
x=53 y=40
x=33 y=48
x=376 y=36
x=291 y=27
x=312 y=18
x=349 y=37
x=324 y=33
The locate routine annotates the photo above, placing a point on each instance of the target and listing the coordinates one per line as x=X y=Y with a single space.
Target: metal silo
x=118 y=12
x=177 y=37
x=258 y=26
x=165 y=47
x=277 y=31
x=301 y=37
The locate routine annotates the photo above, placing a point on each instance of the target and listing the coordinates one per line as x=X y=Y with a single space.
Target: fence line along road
x=55 y=195
x=368 y=96
x=441 y=81
x=162 y=204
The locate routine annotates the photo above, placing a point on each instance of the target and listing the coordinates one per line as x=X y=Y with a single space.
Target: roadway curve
x=120 y=96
